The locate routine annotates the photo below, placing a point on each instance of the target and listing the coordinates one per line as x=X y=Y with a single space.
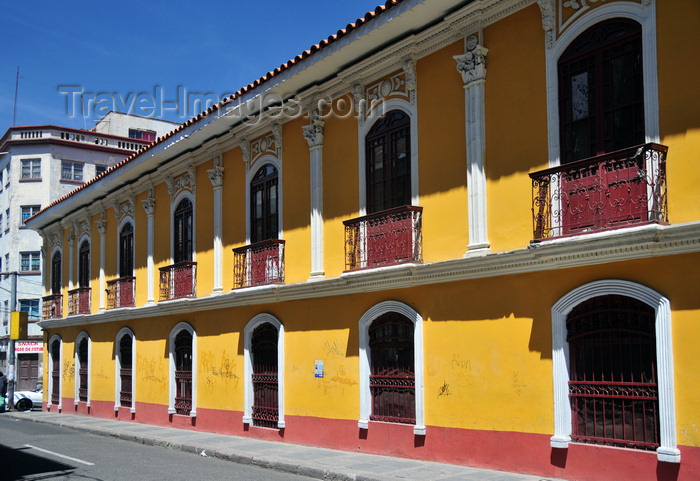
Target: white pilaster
x=472 y=66
x=216 y=176
x=149 y=205
x=102 y=228
x=314 y=136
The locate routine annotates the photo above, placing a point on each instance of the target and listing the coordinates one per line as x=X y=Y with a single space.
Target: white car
x=26 y=400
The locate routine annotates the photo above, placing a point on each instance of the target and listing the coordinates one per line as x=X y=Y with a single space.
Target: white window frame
x=32 y=255
x=668 y=450
x=171 y=355
x=124 y=331
x=248 y=393
x=365 y=393
x=78 y=340
x=31 y=169
x=73 y=165
x=645 y=15
x=363 y=129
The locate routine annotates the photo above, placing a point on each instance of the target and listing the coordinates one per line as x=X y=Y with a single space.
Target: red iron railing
x=259 y=264
x=125 y=391
x=183 y=393
x=120 y=292
x=619 y=189
x=83 y=389
x=79 y=301
x=385 y=238
x=52 y=306
x=178 y=281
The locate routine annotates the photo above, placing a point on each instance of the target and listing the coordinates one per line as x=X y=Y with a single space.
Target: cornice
x=594 y=249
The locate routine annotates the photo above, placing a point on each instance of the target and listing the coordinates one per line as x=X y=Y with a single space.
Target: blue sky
x=156 y=48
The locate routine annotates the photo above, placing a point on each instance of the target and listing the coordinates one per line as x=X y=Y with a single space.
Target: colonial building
x=39 y=164
x=461 y=231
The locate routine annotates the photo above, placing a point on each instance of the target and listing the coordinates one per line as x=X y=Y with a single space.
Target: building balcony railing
x=120 y=292
x=385 y=238
x=79 y=301
x=178 y=281
x=619 y=189
x=259 y=264
x=52 y=306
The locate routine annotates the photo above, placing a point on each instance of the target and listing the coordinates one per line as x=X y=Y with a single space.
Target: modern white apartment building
x=39 y=164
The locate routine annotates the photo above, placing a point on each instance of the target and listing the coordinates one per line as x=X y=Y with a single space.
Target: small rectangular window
x=31 y=306
x=71 y=171
x=30 y=261
x=28 y=211
x=100 y=169
x=31 y=169
x=7 y=220
x=148 y=135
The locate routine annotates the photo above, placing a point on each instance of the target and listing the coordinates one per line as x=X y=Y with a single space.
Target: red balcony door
x=265 y=385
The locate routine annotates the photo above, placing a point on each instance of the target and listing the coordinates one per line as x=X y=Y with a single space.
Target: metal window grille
x=120 y=292
x=613 y=386
x=183 y=373
x=83 y=370
x=265 y=387
x=125 y=371
x=55 y=372
x=178 y=281
x=392 y=373
x=259 y=264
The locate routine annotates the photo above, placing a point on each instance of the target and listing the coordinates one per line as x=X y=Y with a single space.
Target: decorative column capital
x=409 y=68
x=101 y=226
x=245 y=151
x=548 y=20
x=313 y=133
x=472 y=65
x=149 y=203
x=216 y=175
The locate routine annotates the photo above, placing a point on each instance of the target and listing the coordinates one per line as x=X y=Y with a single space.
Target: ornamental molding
x=216 y=175
x=123 y=209
x=101 y=224
x=643 y=242
x=267 y=144
x=472 y=64
x=313 y=133
x=570 y=11
x=55 y=240
x=186 y=182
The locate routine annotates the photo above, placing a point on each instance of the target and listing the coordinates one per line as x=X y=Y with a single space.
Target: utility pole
x=11 y=342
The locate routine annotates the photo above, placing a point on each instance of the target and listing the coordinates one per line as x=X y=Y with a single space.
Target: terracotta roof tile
x=314 y=48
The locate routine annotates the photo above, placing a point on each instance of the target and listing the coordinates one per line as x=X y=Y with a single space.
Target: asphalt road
x=38 y=451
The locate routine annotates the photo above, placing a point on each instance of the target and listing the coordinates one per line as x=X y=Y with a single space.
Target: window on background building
x=71 y=171
x=31 y=169
x=84 y=264
x=31 y=307
x=392 y=369
x=263 y=205
x=613 y=386
x=601 y=95
x=388 y=162
x=183 y=231
x=30 y=261
x=7 y=220
x=183 y=372
x=148 y=135
x=27 y=211
x=126 y=251
x=265 y=412
x=100 y=169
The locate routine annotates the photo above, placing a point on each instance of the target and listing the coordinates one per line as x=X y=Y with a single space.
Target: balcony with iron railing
x=259 y=264
x=120 y=292
x=178 y=281
x=385 y=238
x=52 y=306
x=618 y=189
x=79 y=301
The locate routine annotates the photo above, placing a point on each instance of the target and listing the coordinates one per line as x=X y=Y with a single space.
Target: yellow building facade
x=457 y=231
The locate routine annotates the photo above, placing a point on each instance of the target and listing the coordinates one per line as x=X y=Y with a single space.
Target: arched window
x=56 y=273
x=84 y=264
x=182 y=222
x=83 y=369
x=56 y=372
x=265 y=411
x=613 y=375
x=264 y=222
x=392 y=369
x=125 y=370
x=126 y=251
x=388 y=162
x=183 y=372
x=601 y=92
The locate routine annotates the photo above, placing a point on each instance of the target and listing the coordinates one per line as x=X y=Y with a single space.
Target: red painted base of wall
x=505 y=451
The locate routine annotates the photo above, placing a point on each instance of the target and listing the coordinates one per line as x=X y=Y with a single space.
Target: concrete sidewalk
x=309 y=461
